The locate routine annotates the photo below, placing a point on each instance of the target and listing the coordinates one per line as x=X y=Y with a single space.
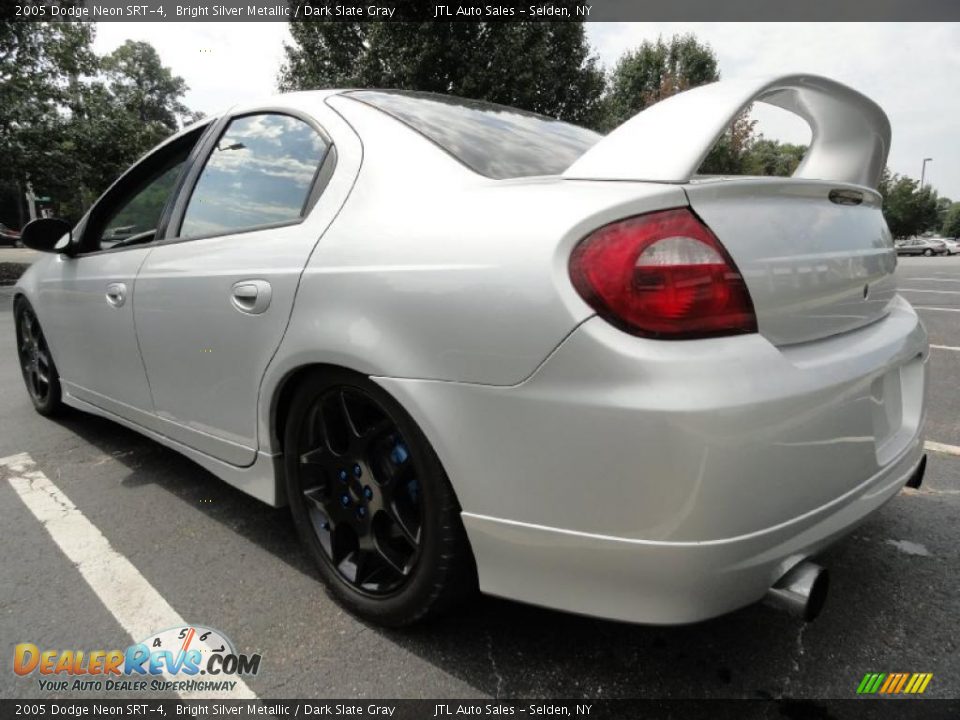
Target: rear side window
x=493 y=140
x=259 y=174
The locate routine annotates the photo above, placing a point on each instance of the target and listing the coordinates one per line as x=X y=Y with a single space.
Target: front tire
x=36 y=362
x=928 y=252
x=371 y=502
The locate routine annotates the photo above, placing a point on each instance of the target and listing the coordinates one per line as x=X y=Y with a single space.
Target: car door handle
x=116 y=294
x=251 y=296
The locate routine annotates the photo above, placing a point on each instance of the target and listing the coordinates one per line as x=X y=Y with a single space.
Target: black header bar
x=478 y=10
x=372 y=709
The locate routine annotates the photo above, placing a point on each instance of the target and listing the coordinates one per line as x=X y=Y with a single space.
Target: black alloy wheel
x=371 y=501
x=36 y=362
x=362 y=490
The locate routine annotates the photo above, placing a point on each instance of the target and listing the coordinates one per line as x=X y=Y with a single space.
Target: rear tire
x=928 y=252
x=36 y=362
x=372 y=503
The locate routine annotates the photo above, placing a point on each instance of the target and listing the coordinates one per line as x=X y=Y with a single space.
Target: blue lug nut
x=399 y=454
x=357 y=472
x=345 y=500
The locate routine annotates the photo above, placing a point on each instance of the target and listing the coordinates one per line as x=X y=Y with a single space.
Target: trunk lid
x=815 y=263
x=814 y=249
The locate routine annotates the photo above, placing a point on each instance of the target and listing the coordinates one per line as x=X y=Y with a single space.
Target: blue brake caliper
x=398 y=456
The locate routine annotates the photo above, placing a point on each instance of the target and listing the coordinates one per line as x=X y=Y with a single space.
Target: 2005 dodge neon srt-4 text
x=471 y=345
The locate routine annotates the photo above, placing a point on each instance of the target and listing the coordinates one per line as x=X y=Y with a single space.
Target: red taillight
x=662 y=275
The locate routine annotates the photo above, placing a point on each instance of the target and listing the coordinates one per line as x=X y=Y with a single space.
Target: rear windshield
x=494 y=140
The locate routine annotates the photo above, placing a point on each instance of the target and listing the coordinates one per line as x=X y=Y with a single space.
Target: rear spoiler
x=668 y=141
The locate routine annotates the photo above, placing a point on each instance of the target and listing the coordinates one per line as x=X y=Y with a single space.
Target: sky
x=911 y=69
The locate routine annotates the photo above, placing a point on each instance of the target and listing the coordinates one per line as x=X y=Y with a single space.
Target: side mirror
x=47 y=235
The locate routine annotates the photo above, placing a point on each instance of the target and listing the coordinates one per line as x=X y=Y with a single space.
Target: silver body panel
x=598 y=472
x=210 y=407
x=814 y=268
x=94 y=338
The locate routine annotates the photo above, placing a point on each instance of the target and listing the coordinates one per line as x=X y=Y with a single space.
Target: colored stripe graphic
x=903 y=681
x=870 y=683
x=913 y=682
x=894 y=683
x=918 y=683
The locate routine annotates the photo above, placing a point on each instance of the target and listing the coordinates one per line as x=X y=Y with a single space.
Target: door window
x=129 y=213
x=136 y=220
x=259 y=174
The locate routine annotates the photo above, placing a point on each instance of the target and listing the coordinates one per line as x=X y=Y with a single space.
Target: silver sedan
x=472 y=346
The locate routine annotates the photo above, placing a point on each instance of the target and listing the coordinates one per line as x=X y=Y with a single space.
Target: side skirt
x=261 y=480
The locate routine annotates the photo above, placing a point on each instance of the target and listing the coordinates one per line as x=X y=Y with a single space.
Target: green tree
x=132 y=104
x=770 y=157
x=538 y=66
x=41 y=65
x=71 y=122
x=730 y=153
x=951 y=221
x=943 y=207
x=138 y=81
x=908 y=209
x=655 y=71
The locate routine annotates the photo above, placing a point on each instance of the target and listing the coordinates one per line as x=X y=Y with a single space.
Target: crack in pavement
x=493 y=666
x=796 y=660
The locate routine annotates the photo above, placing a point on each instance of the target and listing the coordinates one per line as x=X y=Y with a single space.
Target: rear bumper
x=672 y=482
x=663 y=582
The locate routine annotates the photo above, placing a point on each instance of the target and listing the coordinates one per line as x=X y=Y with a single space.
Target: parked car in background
x=9 y=236
x=921 y=246
x=953 y=245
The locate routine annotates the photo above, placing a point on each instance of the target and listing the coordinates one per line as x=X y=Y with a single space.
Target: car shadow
x=508 y=649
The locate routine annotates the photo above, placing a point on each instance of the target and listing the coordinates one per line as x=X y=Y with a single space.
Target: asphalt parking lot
x=224 y=560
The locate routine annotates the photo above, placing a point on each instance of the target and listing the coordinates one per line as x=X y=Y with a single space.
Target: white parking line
x=931 y=307
x=946 y=347
x=942 y=448
x=930 y=279
x=130 y=598
x=938 y=292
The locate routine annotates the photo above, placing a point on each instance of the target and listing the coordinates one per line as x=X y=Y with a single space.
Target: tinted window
x=138 y=218
x=260 y=173
x=130 y=211
x=494 y=140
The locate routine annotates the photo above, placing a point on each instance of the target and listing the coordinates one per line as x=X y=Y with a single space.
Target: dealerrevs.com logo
x=182 y=659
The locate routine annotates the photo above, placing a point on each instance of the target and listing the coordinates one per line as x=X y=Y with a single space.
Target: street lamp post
x=923 y=171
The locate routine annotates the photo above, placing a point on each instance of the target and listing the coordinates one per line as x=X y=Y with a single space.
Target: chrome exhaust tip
x=802 y=591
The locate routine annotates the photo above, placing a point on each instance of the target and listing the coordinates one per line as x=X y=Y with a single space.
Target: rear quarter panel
x=432 y=271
